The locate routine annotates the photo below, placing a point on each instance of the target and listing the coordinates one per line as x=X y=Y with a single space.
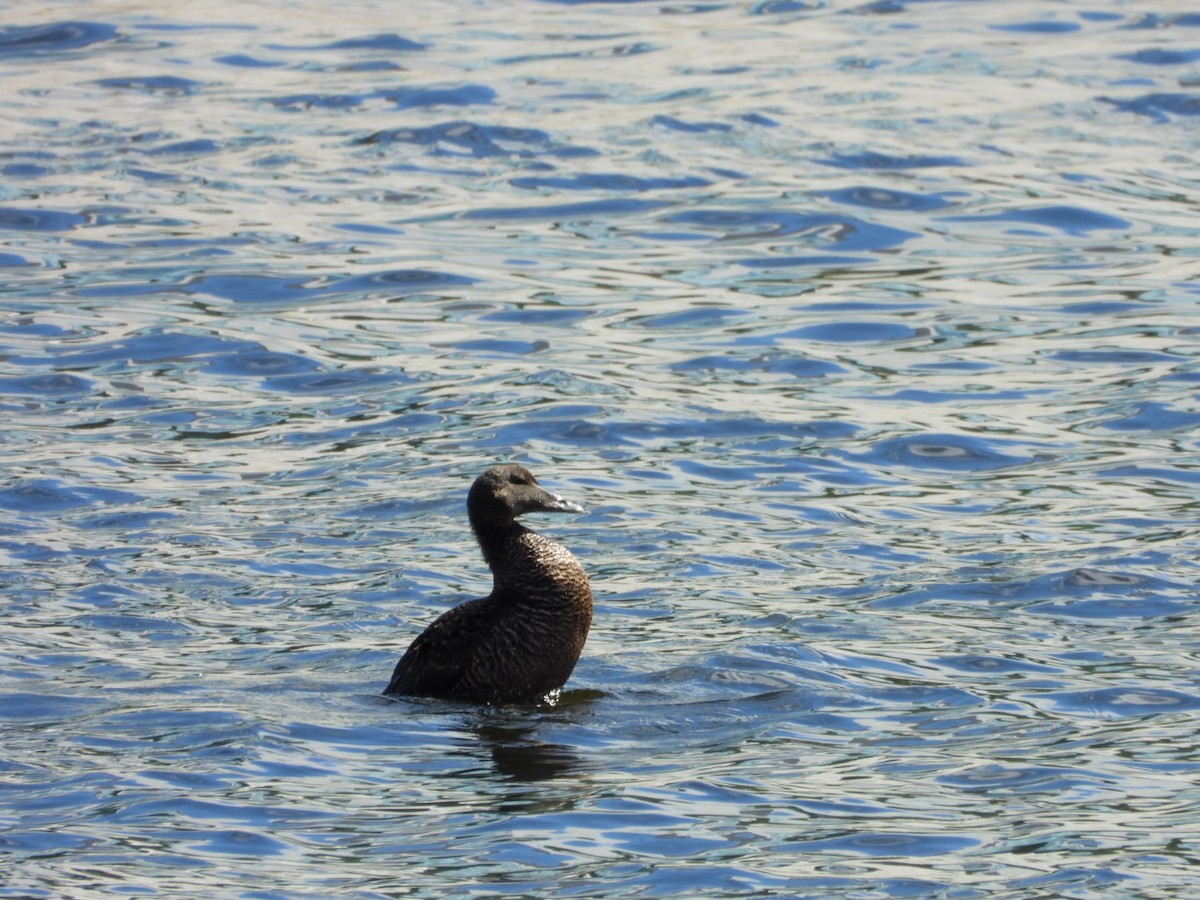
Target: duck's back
x=435 y=663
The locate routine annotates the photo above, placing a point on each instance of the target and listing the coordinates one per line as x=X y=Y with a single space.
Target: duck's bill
x=555 y=503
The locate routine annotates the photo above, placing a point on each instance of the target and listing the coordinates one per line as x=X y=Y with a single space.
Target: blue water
x=866 y=332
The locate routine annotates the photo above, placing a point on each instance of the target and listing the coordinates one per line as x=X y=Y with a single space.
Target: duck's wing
x=437 y=660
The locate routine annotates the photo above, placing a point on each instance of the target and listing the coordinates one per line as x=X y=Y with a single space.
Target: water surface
x=867 y=334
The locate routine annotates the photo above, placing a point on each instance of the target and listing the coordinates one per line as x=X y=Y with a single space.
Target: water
x=866 y=333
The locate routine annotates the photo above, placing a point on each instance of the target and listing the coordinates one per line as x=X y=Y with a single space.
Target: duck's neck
x=498 y=543
x=532 y=570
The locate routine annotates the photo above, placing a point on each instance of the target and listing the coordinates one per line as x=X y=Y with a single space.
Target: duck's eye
x=519 y=478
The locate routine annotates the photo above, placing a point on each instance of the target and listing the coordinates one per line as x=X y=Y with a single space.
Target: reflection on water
x=518 y=755
x=865 y=332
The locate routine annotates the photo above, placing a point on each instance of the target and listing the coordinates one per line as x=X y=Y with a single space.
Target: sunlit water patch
x=865 y=332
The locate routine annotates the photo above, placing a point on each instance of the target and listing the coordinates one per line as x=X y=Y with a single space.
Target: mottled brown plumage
x=520 y=642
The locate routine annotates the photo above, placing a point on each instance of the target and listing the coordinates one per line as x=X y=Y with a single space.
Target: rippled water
x=867 y=334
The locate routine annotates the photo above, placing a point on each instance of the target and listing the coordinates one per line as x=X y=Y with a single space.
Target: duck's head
x=502 y=493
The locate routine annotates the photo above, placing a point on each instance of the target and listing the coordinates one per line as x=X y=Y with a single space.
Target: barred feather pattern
x=517 y=644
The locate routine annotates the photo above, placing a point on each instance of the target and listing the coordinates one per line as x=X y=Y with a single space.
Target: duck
x=520 y=643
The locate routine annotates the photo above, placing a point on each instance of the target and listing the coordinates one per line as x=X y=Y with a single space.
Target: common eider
x=522 y=641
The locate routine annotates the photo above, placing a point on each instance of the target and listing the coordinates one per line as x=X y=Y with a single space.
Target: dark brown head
x=502 y=493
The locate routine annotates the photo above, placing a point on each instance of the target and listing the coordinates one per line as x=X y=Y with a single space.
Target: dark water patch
x=461 y=138
x=366 y=228
x=1070 y=220
x=51 y=385
x=499 y=347
x=107 y=596
x=39 y=219
x=1162 y=56
x=150 y=346
x=876 y=160
x=1184 y=375
x=126 y=522
x=854 y=333
x=232 y=842
x=1003 y=779
x=1152 y=473
x=960 y=365
x=944 y=452
x=1158 y=106
x=883 y=845
x=992 y=665
x=602 y=2
x=319 y=101
x=919 y=396
x=357 y=737
x=823 y=230
x=886 y=198
x=24 y=170
x=32 y=327
x=259 y=363
x=605 y=182
x=45 y=708
x=396 y=509
x=383 y=43
x=731 y=474
x=371 y=65
x=1112 y=356
x=245 y=61
x=398 y=282
x=29 y=551
x=1153 y=417
x=464 y=95
x=42 y=843
x=1073 y=879
x=552 y=427
x=50 y=495
x=151 y=175
x=1134 y=700
x=880 y=8
x=156 y=630
x=404 y=426
x=1102 y=307
x=926 y=702
x=673 y=124
x=357 y=381
x=1041 y=26
x=1106 y=591
x=664 y=236
x=285 y=290
x=181 y=727
x=170 y=85
x=1088 y=579
x=55 y=37
x=829 y=262
x=775 y=7
x=701 y=317
x=1147 y=607
x=199 y=810
x=568 y=211
x=401 y=98
x=531 y=315
x=773 y=363
x=194 y=147
x=803 y=472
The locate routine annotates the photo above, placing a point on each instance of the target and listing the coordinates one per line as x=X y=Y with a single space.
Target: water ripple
x=874 y=365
